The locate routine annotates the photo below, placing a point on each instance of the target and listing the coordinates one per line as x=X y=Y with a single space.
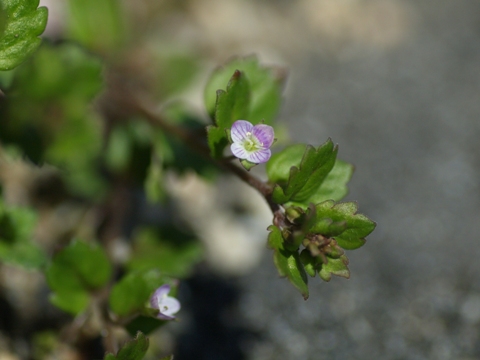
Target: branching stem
x=200 y=147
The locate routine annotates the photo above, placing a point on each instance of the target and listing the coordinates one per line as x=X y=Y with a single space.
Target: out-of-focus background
x=396 y=83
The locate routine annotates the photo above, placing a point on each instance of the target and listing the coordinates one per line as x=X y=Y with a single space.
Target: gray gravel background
x=408 y=117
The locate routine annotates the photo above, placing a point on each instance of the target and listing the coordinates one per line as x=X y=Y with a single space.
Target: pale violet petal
x=264 y=134
x=157 y=296
x=239 y=151
x=239 y=130
x=259 y=156
x=169 y=306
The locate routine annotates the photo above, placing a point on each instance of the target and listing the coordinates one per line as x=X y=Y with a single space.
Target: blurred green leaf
x=73 y=301
x=176 y=260
x=176 y=69
x=304 y=178
x=97 y=24
x=23 y=23
x=129 y=150
x=175 y=155
x=288 y=262
x=132 y=350
x=357 y=226
x=231 y=105
x=266 y=85
x=74 y=271
x=133 y=291
x=53 y=121
x=16 y=245
x=154 y=187
x=119 y=148
x=338 y=267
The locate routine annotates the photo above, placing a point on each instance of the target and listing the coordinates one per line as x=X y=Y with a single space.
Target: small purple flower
x=166 y=305
x=252 y=142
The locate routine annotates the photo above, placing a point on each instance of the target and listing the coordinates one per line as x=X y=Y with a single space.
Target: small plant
x=71 y=115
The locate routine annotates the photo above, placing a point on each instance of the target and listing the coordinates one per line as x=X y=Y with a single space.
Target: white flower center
x=251 y=143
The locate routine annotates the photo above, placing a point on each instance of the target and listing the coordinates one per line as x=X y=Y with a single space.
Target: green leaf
x=23 y=23
x=132 y=350
x=231 y=105
x=75 y=271
x=132 y=292
x=357 y=226
x=333 y=187
x=279 y=165
x=304 y=179
x=266 y=85
x=338 y=267
x=288 y=262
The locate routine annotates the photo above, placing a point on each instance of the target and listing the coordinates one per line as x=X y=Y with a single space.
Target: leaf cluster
x=310 y=236
x=109 y=149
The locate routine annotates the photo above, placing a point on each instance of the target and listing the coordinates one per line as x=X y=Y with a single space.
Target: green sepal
x=309 y=262
x=247 y=165
x=295 y=214
x=288 y=262
x=231 y=105
x=328 y=227
x=132 y=350
x=358 y=226
x=338 y=267
x=333 y=251
x=304 y=178
x=24 y=22
x=292 y=240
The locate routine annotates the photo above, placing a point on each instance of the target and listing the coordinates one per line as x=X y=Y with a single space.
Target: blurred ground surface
x=402 y=102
